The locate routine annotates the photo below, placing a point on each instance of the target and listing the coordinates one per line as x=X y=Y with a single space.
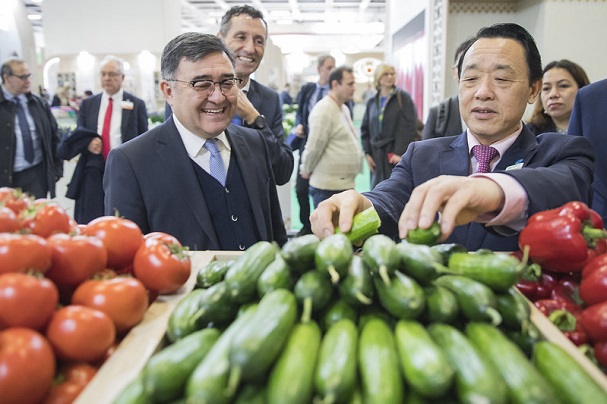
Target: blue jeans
x=319 y=195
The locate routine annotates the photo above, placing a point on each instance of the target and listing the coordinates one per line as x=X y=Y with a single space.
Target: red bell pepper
x=594 y=321
x=594 y=264
x=564 y=316
x=537 y=289
x=600 y=353
x=567 y=289
x=593 y=288
x=563 y=239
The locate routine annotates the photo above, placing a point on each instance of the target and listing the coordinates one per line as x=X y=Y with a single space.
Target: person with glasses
x=29 y=138
x=105 y=120
x=196 y=176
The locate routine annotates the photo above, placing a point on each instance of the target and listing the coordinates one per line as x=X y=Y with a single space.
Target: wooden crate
x=146 y=338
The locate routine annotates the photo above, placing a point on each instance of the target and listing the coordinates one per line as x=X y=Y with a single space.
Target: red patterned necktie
x=484 y=155
x=105 y=133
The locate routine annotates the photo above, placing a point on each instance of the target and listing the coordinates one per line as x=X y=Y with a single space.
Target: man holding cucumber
x=481 y=203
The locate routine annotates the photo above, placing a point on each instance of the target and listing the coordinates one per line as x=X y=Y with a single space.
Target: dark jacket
x=46 y=128
x=443 y=119
x=398 y=130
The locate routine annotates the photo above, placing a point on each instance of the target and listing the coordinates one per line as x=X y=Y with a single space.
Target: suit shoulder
x=263 y=89
x=128 y=95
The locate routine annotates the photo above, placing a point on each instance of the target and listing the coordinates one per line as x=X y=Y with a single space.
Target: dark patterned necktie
x=484 y=155
x=26 y=134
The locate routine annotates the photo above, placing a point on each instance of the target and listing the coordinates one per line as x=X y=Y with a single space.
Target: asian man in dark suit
x=588 y=120
x=102 y=125
x=487 y=181
x=196 y=176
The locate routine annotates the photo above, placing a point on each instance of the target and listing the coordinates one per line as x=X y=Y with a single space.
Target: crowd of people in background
x=209 y=173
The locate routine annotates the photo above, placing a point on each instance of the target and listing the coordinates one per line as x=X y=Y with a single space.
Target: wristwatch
x=259 y=122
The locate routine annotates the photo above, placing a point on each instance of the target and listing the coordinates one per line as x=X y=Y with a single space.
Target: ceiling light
x=34 y=17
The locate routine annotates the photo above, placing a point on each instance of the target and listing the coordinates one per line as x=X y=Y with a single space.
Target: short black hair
x=519 y=34
x=226 y=20
x=337 y=74
x=192 y=46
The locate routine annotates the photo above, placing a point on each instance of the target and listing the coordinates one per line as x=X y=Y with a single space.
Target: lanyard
x=381 y=107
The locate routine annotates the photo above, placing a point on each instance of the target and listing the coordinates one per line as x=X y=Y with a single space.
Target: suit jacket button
x=241 y=247
x=234 y=218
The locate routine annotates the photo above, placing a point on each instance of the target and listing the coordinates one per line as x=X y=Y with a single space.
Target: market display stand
x=143 y=340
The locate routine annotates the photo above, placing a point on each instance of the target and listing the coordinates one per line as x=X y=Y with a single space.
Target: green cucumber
x=476 y=300
x=381 y=380
x=292 y=378
x=299 y=252
x=429 y=236
x=212 y=273
x=526 y=339
x=276 y=276
x=333 y=256
x=364 y=225
x=181 y=322
x=241 y=278
x=571 y=382
x=419 y=262
x=424 y=365
x=403 y=297
x=252 y=394
x=133 y=393
x=357 y=287
x=336 y=311
x=476 y=380
x=514 y=309
x=381 y=256
x=441 y=305
x=215 y=307
x=166 y=373
x=446 y=250
x=336 y=375
x=254 y=349
x=499 y=271
x=313 y=291
x=525 y=383
x=209 y=380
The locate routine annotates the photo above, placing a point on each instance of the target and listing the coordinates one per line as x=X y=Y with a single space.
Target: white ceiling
x=310 y=26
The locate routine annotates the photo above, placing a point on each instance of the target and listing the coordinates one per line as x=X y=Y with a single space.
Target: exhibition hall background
x=419 y=37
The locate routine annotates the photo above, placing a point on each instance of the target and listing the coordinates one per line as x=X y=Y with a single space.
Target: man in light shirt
x=499 y=74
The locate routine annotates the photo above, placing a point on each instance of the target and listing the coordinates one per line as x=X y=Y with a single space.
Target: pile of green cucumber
x=315 y=322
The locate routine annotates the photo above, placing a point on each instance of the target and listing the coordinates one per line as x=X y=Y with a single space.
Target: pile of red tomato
x=69 y=292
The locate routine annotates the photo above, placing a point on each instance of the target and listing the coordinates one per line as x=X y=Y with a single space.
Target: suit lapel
x=126 y=115
x=172 y=152
x=522 y=150
x=93 y=117
x=454 y=159
x=247 y=161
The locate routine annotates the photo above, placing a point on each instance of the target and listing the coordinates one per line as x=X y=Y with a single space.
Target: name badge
x=127 y=105
x=516 y=166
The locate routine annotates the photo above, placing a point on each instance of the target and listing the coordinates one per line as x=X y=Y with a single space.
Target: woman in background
x=388 y=126
x=552 y=110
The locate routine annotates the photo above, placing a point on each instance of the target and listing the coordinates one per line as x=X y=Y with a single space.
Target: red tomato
x=27 y=366
x=166 y=237
x=26 y=301
x=162 y=267
x=121 y=237
x=9 y=222
x=80 y=333
x=75 y=376
x=15 y=199
x=23 y=252
x=124 y=299
x=46 y=218
x=75 y=258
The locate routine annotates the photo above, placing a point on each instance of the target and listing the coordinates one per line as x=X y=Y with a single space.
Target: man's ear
x=167 y=90
x=219 y=35
x=535 y=90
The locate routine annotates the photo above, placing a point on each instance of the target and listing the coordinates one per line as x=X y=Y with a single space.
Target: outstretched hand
x=338 y=210
x=459 y=200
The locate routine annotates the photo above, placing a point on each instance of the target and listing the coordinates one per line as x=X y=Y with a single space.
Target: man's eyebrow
x=495 y=67
x=210 y=77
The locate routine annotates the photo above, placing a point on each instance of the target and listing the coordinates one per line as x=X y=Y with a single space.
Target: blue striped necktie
x=217 y=169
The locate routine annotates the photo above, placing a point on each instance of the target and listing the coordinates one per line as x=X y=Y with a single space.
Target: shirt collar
x=501 y=145
x=194 y=143
x=118 y=96
x=10 y=97
x=247 y=86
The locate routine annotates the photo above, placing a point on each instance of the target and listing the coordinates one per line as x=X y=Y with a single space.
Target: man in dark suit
x=245 y=32
x=491 y=178
x=588 y=120
x=29 y=135
x=196 y=176
x=445 y=119
x=105 y=121
x=309 y=95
